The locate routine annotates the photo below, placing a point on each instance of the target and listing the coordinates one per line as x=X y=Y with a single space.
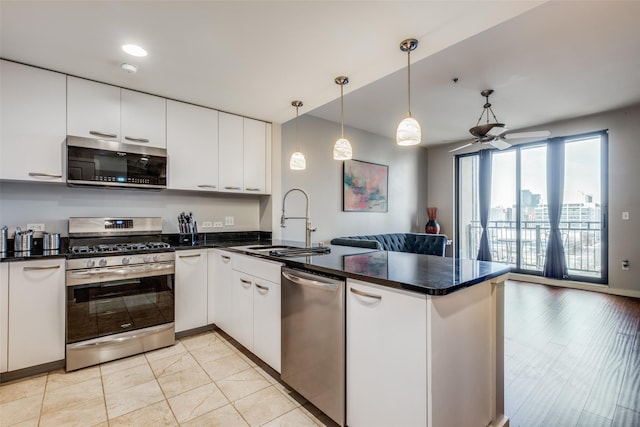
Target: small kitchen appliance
x=119 y=289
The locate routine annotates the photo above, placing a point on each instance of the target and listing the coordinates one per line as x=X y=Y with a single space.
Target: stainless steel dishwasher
x=313 y=339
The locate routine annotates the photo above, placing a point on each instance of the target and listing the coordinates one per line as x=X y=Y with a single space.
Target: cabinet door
x=93 y=109
x=231 y=151
x=386 y=356
x=255 y=155
x=266 y=322
x=143 y=119
x=4 y=314
x=191 y=289
x=33 y=106
x=220 y=281
x=241 y=327
x=36 y=313
x=192 y=147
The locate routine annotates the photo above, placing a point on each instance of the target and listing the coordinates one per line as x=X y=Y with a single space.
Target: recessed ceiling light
x=134 y=50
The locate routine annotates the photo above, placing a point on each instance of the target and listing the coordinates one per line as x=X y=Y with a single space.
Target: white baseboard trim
x=605 y=289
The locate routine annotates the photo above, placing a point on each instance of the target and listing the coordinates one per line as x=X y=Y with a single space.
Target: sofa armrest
x=369 y=244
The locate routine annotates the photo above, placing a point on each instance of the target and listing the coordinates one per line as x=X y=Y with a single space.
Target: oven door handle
x=138 y=268
x=121 y=339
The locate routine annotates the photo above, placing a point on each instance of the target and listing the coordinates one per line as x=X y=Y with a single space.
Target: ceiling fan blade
x=460 y=148
x=532 y=134
x=497 y=130
x=499 y=143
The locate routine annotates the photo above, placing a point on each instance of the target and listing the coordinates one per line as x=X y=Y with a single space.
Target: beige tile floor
x=203 y=380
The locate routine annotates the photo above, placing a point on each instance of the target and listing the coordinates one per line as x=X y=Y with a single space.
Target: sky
x=582 y=173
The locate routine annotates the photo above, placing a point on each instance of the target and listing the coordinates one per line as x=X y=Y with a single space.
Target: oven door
x=109 y=301
x=114 y=164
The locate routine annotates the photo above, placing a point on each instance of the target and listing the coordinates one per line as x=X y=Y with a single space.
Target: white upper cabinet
x=255 y=156
x=98 y=110
x=231 y=151
x=143 y=119
x=192 y=147
x=93 y=109
x=32 y=123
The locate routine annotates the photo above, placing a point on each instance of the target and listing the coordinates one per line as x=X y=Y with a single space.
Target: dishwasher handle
x=310 y=282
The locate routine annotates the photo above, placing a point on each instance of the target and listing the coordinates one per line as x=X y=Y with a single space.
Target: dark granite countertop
x=427 y=274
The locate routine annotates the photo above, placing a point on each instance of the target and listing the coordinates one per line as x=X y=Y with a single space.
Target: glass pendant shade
x=342 y=150
x=297 y=161
x=408 y=132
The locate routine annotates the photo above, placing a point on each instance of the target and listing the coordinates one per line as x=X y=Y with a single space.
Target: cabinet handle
x=252 y=189
x=125 y=325
x=245 y=282
x=263 y=288
x=225 y=258
x=103 y=134
x=231 y=188
x=364 y=294
x=189 y=256
x=44 y=267
x=46 y=175
x=134 y=139
x=206 y=186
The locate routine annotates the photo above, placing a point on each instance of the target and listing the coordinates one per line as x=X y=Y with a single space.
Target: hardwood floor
x=572 y=357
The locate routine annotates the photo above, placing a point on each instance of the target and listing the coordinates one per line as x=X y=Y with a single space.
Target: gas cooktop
x=118 y=248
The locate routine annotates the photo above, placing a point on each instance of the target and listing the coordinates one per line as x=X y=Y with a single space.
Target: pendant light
x=342 y=148
x=408 y=132
x=297 y=161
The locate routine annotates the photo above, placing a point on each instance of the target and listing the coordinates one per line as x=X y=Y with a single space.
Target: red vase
x=432 y=226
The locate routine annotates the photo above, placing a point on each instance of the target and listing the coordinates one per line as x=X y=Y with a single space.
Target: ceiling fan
x=496 y=134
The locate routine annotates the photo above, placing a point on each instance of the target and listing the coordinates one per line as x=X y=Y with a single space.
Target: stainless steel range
x=120 y=289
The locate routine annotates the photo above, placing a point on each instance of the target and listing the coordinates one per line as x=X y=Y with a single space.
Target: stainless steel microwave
x=103 y=163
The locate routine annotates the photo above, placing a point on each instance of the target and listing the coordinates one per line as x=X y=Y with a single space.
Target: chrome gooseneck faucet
x=308 y=227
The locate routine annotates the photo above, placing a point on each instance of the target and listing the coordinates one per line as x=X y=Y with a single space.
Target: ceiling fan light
x=297 y=161
x=342 y=150
x=408 y=132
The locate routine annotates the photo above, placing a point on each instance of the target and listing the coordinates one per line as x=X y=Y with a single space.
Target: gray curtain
x=555 y=264
x=484 y=190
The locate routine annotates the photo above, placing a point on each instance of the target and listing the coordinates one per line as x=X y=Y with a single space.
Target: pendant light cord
x=409 y=80
x=342 y=110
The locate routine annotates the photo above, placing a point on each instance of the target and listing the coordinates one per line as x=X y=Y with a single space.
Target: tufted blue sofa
x=417 y=243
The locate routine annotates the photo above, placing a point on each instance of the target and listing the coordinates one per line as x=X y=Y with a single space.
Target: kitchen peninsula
x=424 y=336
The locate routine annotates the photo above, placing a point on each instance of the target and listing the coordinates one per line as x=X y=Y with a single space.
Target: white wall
x=624 y=193
x=322 y=180
x=53 y=204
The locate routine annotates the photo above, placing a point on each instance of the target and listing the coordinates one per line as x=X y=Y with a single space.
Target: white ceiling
x=546 y=60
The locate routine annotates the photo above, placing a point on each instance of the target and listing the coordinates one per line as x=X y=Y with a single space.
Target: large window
x=519 y=227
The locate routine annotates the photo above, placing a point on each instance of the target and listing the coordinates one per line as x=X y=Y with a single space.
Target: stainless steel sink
x=285 y=251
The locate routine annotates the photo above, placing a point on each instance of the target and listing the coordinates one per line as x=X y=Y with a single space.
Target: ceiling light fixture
x=297 y=161
x=342 y=148
x=135 y=50
x=408 y=132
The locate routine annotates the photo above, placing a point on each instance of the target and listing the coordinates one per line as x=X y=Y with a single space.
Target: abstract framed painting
x=364 y=186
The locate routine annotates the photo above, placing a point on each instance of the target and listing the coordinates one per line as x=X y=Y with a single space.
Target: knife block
x=190 y=239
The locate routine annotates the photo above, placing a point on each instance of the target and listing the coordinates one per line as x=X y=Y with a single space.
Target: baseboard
x=572 y=284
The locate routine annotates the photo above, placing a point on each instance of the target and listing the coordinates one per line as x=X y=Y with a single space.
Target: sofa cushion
x=417 y=243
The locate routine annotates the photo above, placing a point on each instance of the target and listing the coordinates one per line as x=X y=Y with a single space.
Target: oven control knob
x=90 y=263
x=126 y=260
x=102 y=262
x=156 y=258
x=146 y=258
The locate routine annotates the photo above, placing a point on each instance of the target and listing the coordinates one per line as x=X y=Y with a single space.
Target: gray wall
x=624 y=191
x=323 y=181
x=53 y=204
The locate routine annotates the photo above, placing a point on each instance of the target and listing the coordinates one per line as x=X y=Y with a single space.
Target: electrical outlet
x=228 y=220
x=35 y=227
x=625 y=264
x=207 y=224
x=217 y=224
x=625 y=215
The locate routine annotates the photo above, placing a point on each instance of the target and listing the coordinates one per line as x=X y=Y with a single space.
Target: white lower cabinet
x=386 y=356
x=191 y=289
x=36 y=315
x=219 y=283
x=255 y=307
x=4 y=314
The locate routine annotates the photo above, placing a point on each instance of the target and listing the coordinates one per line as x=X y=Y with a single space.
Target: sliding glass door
x=518 y=229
